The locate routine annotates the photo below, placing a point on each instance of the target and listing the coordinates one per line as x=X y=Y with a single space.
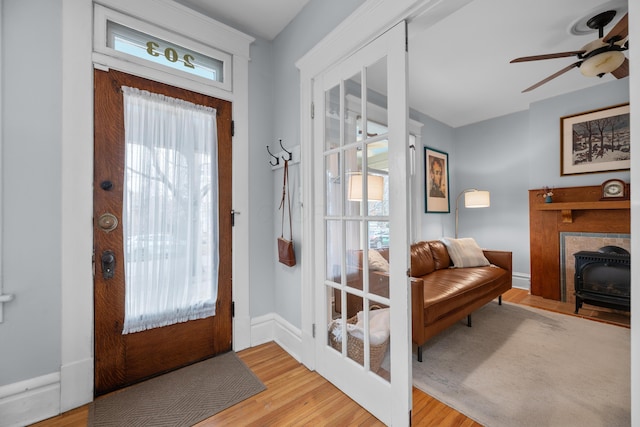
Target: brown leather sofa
x=378 y=282
x=442 y=296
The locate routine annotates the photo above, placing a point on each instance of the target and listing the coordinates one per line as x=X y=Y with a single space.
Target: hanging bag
x=286 y=254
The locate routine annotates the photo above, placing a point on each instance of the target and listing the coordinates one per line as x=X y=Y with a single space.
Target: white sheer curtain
x=170 y=211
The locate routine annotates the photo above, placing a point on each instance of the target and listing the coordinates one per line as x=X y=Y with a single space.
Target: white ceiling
x=459 y=70
x=263 y=18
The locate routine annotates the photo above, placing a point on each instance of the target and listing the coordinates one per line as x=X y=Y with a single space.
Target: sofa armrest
x=417 y=310
x=500 y=258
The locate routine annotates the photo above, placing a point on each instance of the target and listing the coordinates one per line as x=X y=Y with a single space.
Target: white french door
x=361 y=224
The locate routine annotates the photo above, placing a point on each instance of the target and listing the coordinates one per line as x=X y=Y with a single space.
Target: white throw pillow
x=465 y=252
x=377 y=261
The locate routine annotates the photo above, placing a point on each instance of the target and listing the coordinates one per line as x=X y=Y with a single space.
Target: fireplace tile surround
x=571 y=242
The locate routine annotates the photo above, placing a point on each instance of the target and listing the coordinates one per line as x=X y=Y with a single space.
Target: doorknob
x=108 y=261
x=107 y=222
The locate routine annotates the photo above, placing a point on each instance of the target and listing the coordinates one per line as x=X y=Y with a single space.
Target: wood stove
x=603 y=278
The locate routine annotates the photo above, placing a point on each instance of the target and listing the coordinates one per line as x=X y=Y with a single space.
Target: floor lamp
x=473 y=199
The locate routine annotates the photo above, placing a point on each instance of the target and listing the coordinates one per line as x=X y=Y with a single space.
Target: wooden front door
x=121 y=360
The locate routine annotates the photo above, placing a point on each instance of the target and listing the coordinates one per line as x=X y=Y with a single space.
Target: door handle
x=108 y=261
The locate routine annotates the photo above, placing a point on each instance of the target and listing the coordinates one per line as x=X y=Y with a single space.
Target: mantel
x=567 y=208
x=574 y=210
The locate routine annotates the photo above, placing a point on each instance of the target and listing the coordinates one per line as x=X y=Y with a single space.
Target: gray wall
x=512 y=154
x=439 y=136
x=261 y=95
x=31 y=174
x=315 y=21
x=274 y=113
x=493 y=155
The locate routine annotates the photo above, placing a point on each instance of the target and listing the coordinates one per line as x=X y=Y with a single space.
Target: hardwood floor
x=296 y=396
x=600 y=314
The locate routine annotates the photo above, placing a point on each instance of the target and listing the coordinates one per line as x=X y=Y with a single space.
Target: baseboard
x=30 y=401
x=241 y=332
x=521 y=281
x=76 y=380
x=272 y=327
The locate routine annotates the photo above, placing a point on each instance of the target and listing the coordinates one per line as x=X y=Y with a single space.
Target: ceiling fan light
x=602 y=63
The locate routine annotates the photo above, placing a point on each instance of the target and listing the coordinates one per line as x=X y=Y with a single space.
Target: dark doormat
x=179 y=398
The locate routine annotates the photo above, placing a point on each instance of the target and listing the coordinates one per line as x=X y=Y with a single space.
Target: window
x=141 y=48
x=144 y=46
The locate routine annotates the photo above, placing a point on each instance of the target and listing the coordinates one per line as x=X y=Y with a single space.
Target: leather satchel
x=286 y=254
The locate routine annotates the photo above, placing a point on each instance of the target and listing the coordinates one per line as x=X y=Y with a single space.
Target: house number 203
x=170 y=54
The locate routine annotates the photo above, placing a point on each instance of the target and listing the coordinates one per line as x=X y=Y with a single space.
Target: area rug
x=179 y=398
x=521 y=366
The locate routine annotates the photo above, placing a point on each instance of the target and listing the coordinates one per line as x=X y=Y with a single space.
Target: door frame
x=76 y=360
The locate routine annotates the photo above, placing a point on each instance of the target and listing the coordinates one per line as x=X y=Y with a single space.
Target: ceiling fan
x=601 y=56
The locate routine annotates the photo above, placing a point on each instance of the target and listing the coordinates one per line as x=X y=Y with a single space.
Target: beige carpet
x=521 y=366
x=180 y=398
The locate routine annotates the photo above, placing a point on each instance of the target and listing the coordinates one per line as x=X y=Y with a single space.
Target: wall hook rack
x=289 y=153
x=275 y=157
x=279 y=158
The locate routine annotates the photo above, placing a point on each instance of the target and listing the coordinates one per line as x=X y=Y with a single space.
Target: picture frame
x=581 y=150
x=436 y=181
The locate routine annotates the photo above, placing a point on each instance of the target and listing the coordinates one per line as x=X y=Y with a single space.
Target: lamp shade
x=477 y=199
x=375 y=188
x=602 y=63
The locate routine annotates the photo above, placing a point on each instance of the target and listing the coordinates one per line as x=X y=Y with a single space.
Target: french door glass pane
x=377 y=98
x=353 y=179
x=378 y=178
x=334 y=251
x=353 y=109
x=333 y=184
x=332 y=118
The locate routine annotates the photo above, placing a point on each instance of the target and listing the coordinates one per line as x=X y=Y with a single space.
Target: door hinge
x=233 y=128
x=233 y=217
x=406 y=36
x=233 y=309
x=313 y=110
x=313 y=330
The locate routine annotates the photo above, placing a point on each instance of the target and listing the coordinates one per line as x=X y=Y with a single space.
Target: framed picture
x=595 y=141
x=436 y=181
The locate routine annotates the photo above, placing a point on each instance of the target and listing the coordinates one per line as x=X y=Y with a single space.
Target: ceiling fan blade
x=620 y=31
x=548 y=56
x=622 y=71
x=553 y=76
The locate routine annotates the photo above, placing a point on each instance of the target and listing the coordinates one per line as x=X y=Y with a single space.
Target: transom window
x=144 y=46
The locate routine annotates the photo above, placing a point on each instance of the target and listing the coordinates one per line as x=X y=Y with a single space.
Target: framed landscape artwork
x=436 y=181
x=595 y=141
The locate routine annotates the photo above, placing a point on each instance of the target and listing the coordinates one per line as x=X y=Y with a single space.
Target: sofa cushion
x=465 y=252
x=421 y=259
x=377 y=261
x=440 y=254
x=448 y=291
